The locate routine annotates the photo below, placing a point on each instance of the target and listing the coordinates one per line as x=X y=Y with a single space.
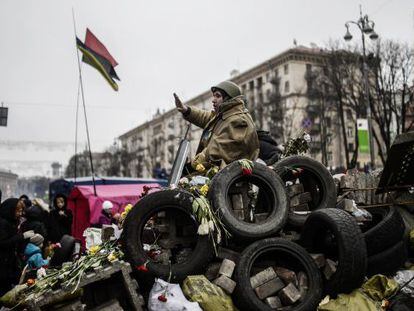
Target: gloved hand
x=28 y=234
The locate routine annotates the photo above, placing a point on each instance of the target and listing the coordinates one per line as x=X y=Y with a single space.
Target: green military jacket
x=228 y=135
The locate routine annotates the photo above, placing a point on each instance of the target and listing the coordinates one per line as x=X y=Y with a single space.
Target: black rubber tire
x=315 y=176
x=385 y=230
x=293 y=256
x=274 y=190
x=388 y=261
x=133 y=228
x=65 y=252
x=347 y=247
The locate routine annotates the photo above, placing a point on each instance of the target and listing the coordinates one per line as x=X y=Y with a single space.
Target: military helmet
x=230 y=88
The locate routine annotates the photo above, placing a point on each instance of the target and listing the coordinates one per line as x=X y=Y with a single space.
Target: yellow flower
x=111 y=257
x=200 y=168
x=94 y=249
x=123 y=214
x=204 y=190
x=128 y=208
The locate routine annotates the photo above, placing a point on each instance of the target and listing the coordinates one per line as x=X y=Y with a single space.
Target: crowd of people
x=29 y=232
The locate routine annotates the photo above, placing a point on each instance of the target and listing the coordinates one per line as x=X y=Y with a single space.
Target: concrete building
x=277 y=97
x=8 y=184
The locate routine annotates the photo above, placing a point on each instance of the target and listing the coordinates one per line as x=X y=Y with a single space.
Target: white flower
x=211 y=225
x=203 y=227
x=218 y=236
x=41 y=273
x=307 y=137
x=183 y=181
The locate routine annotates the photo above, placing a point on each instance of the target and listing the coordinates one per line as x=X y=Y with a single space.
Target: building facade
x=8 y=184
x=278 y=100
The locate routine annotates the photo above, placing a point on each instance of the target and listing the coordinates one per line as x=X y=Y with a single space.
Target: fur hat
x=37 y=239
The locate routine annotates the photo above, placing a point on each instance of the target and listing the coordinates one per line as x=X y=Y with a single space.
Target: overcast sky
x=181 y=46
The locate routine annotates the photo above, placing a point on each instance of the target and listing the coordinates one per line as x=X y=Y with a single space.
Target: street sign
x=3 y=115
x=306 y=123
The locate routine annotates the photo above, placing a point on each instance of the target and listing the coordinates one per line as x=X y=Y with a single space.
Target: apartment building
x=277 y=97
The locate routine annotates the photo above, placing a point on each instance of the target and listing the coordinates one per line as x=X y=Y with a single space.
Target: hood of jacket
x=60 y=195
x=8 y=209
x=33 y=213
x=231 y=103
x=31 y=249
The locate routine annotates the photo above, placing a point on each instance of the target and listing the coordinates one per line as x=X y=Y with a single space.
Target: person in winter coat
x=33 y=253
x=270 y=152
x=106 y=216
x=229 y=132
x=11 y=211
x=36 y=220
x=60 y=219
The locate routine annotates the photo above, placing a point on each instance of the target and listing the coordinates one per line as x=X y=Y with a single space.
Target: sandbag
x=209 y=296
x=355 y=301
x=380 y=287
x=174 y=298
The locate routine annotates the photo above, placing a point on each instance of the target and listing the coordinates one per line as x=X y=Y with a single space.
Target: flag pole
x=76 y=131
x=84 y=106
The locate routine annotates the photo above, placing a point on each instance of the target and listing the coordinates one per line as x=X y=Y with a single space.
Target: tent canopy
x=87 y=207
x=65 y=185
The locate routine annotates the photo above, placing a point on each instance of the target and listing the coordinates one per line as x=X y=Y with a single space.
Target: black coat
x=269 y=151
x=36 y=220
x=59 y=225
x=9 y=240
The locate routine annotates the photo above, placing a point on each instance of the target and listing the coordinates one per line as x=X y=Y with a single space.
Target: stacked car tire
x=324 y=229
x=384 y=237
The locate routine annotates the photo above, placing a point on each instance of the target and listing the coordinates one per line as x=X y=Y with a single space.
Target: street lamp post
x=366 y=26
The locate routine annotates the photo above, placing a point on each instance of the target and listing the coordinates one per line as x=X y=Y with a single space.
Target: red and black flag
x=96 y=55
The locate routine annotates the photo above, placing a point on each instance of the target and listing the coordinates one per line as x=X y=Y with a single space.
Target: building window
x=268 y=94
x=328 y=121
x=251 y=85
x=286 y=69
x=328 y=139
x=329 y=156
x=157 y=129
x=350 y=147
x=287 y=87
x=267 y=77
x=277 y=72
x=349 y=114
x=349 y=131
x=259 y=82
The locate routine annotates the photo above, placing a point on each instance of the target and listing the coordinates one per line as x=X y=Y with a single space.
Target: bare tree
x=337 y=87
x=83 y=167
x=391 y=79
x=276 y=110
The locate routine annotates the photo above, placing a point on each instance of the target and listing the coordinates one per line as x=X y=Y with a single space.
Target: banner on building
x=363 y=135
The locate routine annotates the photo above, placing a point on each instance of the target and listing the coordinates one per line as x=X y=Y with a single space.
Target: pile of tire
x=256 y=229
x=265 y=253
x=384 y=237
